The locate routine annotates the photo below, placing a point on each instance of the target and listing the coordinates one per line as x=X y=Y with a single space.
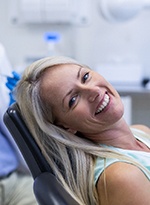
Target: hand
x=11 y=84
x=12 y=81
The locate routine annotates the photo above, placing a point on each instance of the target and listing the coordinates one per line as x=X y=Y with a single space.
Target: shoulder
x=142 y=128
x=123 y=183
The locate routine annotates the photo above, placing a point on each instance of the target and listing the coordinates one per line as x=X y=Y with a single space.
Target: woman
x=76 y=117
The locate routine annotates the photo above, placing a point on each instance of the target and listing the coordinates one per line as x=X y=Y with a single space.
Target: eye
x=85 y=77
x=72 y=101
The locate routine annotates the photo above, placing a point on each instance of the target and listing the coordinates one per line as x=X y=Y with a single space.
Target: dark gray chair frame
x=47 y=189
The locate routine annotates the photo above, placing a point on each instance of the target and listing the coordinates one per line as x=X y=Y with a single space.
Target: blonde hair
x=71 y=157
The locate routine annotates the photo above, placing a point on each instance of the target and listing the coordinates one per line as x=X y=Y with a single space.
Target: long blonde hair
x=71 y=157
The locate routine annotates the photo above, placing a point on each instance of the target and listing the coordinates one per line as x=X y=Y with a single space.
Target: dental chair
x=47 y=189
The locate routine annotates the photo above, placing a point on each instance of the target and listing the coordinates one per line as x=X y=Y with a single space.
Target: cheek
x=82 y=110
x=77 y=117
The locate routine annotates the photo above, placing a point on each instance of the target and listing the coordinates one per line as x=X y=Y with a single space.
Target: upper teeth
x=104 y=104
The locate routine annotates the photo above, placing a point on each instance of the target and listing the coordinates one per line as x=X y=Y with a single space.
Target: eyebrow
x=70 y=91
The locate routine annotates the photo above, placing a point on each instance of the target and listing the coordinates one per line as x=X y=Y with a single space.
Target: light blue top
x=141 y=157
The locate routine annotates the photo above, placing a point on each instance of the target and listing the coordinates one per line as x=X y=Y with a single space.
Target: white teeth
x=104 y=104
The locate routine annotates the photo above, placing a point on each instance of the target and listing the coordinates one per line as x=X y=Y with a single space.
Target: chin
x=119 y=112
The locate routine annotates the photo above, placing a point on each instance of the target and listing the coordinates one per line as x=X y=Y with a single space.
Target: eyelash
x=73 y=99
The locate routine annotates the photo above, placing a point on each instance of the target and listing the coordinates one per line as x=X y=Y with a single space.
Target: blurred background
x=112 y=37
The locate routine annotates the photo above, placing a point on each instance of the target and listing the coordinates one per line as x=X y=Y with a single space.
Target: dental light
x=121 y=10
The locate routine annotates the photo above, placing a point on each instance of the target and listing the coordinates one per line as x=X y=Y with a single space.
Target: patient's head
x=62 y=92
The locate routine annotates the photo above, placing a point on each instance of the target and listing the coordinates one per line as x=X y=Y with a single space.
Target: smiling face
x=81 y=99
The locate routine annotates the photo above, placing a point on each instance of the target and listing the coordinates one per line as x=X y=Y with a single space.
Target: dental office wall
x=99 y=42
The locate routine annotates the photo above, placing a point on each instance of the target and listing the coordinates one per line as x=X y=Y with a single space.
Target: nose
x=91 y=93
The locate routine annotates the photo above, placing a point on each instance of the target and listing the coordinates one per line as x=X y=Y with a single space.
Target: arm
x=5 y=93
x=123 y=184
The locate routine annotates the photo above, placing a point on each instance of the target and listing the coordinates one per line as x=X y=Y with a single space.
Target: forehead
x=57 y=79
x=59 y=73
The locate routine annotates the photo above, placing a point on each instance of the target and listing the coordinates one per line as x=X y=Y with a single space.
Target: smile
x=104 y=104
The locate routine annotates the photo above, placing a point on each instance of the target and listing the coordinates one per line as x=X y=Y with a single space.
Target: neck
x=118 y=135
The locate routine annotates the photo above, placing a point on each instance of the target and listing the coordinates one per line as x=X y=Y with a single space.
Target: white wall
x=100 y=42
